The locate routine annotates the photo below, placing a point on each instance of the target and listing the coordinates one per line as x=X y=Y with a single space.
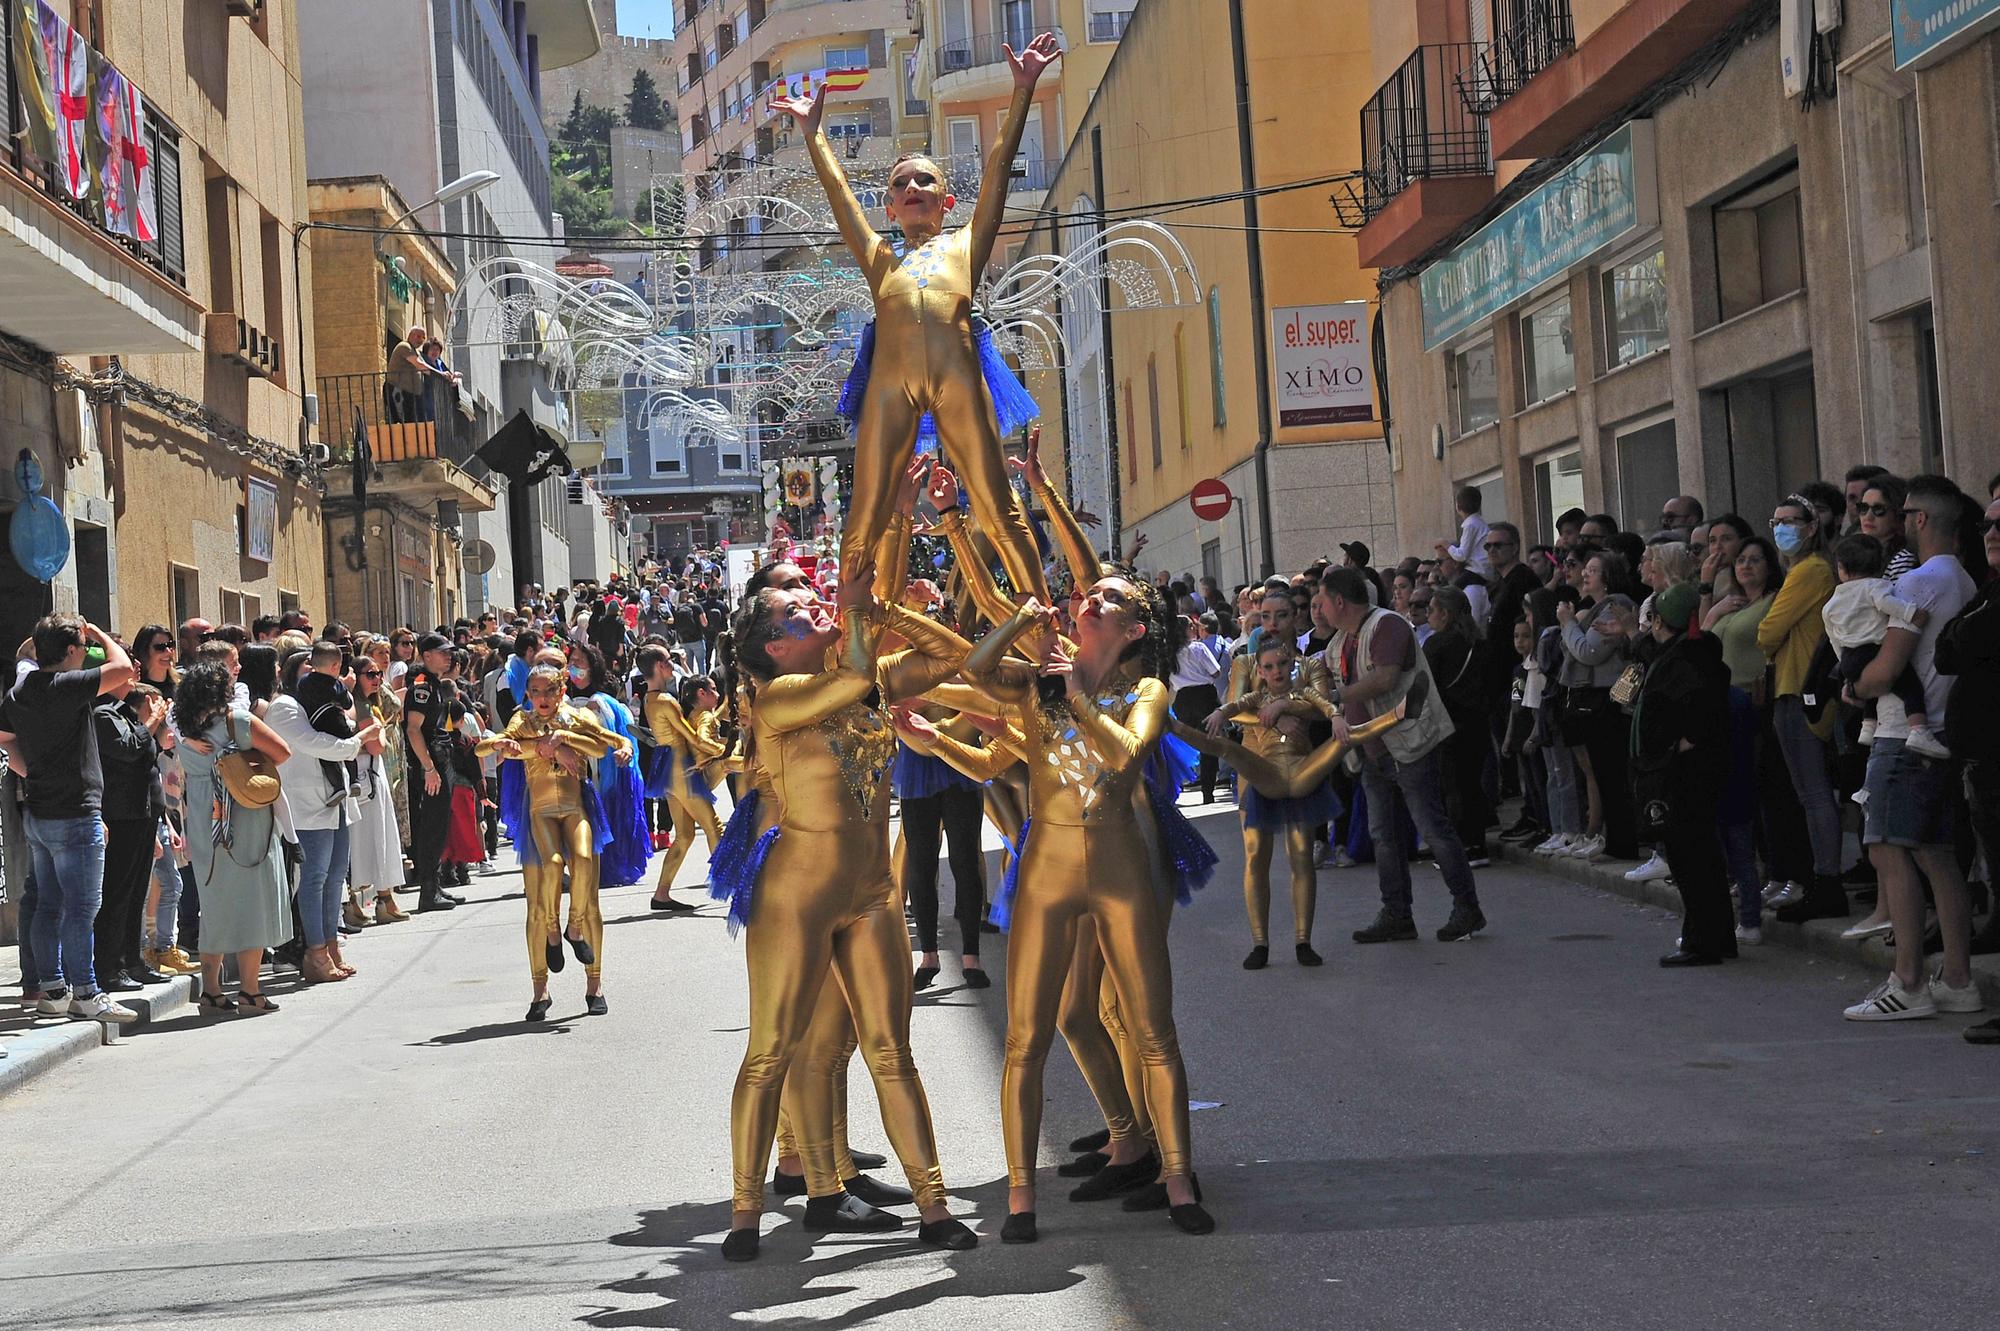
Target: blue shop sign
x=1602 y=197
x=1928 y=30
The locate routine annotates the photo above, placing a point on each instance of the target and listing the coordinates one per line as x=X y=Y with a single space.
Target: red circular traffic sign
x=1210 y=500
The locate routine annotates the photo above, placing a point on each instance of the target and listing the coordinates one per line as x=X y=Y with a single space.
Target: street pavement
x=1536 y=1128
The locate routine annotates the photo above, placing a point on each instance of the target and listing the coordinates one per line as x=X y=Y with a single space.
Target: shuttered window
x=168 y=252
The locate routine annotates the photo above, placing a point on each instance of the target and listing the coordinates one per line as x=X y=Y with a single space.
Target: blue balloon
x=39 y=537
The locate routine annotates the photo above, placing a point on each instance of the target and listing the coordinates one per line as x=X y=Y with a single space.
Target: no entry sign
x=1210 y=500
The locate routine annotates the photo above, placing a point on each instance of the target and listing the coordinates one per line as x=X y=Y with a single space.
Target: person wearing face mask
x=924 y=358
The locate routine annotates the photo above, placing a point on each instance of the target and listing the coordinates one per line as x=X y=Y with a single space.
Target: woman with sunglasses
x=402 y=660
x=375 y=846
x=1881 y=513
x=153 y=653
x=1789 y=636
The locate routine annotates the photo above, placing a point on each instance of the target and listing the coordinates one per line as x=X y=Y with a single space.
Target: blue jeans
x=1565 y=793
x=1739 y=849
x=24 y=921
x=158 y=929
x=1805 y=759
x=1418 y=787
x=69 y=871
x=322 y=881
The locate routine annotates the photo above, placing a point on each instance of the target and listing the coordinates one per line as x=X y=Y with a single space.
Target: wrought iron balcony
x=1529 y=36
x=969 y=53
x=1421 y=124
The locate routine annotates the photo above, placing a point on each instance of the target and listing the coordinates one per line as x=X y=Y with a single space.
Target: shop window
x=1759 y=254
x=1649 y=472
x=1475 y=386
x=1558 y=489
x=1548 y=351
x=1492 y=489
x=1773 y=439
x=1635 y=308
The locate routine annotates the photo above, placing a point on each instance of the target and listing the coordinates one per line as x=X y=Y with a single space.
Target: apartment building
x=1632 y=250
x=1151 y=397
x=152 y=350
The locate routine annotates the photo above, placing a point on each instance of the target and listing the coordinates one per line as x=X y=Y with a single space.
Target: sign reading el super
x=1322 y=364
x=1928 y=30
x=1605 y=195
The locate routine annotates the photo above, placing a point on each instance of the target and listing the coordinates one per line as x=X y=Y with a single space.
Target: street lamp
x=464 y=187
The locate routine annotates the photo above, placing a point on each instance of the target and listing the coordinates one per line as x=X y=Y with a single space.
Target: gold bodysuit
x=692 y=752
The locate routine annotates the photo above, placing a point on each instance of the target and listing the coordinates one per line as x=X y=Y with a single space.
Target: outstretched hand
x=915 y=723
x=1035 y=57
x=856 y=591
x=1029 y=468
x=911 y=485
x=806 y=110
x=944 y=489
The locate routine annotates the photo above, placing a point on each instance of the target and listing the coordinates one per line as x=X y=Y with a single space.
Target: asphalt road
x=1537 y=1128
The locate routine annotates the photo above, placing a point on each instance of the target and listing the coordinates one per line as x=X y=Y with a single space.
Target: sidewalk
x=1819 y=937
x=35 y=1044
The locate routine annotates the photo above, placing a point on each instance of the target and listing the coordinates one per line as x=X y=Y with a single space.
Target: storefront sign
x=1925 y=31
x=1593 y=203
x=260 y=519
x=1321 y=365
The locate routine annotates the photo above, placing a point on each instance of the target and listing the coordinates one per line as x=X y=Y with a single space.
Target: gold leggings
x=1100 y=873
x=823 y=910
x=688 y=814
x=935 y=370
x=563 y=838
x=1086 y=996
x=1258 y=845
x=830 y=1043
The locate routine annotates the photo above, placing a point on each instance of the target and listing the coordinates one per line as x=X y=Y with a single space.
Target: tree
x=643 y=109
x=585 y=212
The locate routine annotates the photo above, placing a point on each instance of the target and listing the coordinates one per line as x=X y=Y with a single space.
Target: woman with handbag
x=230 y=759
x=1595 y=725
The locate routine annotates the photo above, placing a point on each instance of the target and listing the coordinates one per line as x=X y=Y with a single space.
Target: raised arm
x=934 y=655
x=1070 y=536
x=1121 y=744
x=1012 y=682
x=981 y=764
x=862 y=240
x=1028 y=66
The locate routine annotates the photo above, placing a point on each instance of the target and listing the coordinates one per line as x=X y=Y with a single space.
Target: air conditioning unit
x=318 y=454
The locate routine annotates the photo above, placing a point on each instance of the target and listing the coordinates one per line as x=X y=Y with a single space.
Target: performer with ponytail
x=684 y=749
x=555 y=818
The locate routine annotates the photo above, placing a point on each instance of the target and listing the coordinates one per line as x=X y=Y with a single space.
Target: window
x=1180 y=382
x=611 y=466
x=1109 y=19
x=728 y=461
x=1475 y=386
x=1635 y=308
x=1017 y=21
x=847 y=57
x=166 y=250
x=669 y=454
x=1558 y=489
x=1492 y=489
x=287 y=601
x=962 y=142
x=1648 y=471
x=1131 y=453
x=1758 y=248
x=1215 y=381
x=1548 y=359
x=187 y=594
x=240 y=607
x=1153 y=404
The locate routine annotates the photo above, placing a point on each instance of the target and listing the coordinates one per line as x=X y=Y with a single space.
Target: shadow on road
x=499 y=1030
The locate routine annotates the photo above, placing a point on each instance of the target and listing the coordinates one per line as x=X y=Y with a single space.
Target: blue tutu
x=1315 y=808
x=918 y=776
x=738 y=858
x=1013 y=405
x=660 y=764
x=1187 y=851
x=515 y=814
x=1001 y=912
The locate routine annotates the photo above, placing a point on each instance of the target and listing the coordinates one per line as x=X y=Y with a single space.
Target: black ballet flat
x=1308 y=957
x=948 y=1234
x=1112 y=1180
x=740 y=1246
x=1085 y=1165
x=788 y=1185
x=1153 y=1197
x=877 y=1193
x=1676 y=960
x=975 y=978
x=1089 y=1141
x=1191 y=1219
x=552 y=953
x=539 y=1010
x=657 y=904
x=1020 y=1228
x=925 y=976
x=584 y=952
x=594 y=1005
x=865 y=1160
x=847 y=1214
x=1259 y=958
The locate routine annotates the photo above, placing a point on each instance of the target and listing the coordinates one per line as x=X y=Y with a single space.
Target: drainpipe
x=1260 y=324
x=1111 y=482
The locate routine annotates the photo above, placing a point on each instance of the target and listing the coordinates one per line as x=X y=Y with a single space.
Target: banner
x=260 y=519
x=31 y=78
x=1926 y=31
x=1322 y=364
x=69 y=74
x=805 y=82
x=800 y=486
x=119 y=162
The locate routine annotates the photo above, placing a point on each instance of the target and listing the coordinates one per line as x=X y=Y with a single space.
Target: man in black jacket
x=133 y=805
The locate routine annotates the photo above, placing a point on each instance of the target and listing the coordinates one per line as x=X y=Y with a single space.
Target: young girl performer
x=924 y=357
x=679 y=780
x=556 y=821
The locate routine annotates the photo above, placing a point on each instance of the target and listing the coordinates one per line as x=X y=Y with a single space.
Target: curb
x=52 y=1041
x=1819 y=937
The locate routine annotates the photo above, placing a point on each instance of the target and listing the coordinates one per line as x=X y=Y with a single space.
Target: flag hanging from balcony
x=118 y=158
x=31 y=77
x=68 y=64
x=806 y=82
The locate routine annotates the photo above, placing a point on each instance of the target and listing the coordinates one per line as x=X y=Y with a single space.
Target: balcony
x=1425 y=167
x=1530 y=36
x=1580 y=86
x=976 y=67
x=421 y=461
x=80 y=279
x=966 y=171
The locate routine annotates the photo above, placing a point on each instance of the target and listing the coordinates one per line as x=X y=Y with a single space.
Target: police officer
x=427 y=707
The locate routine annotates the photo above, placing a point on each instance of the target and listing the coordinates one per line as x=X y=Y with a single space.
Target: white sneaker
x=1656 y=867
x=1749 y=935
x=1319 y=854
x=1589 y=848
x=1868 y=733
x=1789 y=894
x=1947 y=999
x=1555 y=845
x=1772 y=889
x=100 y=1007
x=1341 y=859
x=1864 y=929
x=1889 y=1001
x=1923 y=741
x=54 y=1003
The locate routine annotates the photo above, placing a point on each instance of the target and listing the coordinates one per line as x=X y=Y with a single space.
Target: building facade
x=152 y=360
x=1696 y=247
x=478 y=66
x=1149 y=402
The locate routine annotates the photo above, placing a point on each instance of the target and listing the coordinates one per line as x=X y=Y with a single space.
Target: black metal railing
x=159 y=149
x=1528 y=37
x=985 y=48
x=399 y=428
x=1421 y=124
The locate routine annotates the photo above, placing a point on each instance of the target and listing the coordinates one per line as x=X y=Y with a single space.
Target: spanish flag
x=805 y=83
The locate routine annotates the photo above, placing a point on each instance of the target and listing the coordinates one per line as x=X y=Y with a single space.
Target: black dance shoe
x=948 y=1234
x=925 y=977
x=1089 y=1141
x=1259 y=958
x=552 y=953
x=740 y=1246
x=866 y=1160
x=1085 y=1165
x=847 y=1214
x=1191 y=1219
x=1308 y=957
x=584 y=952
x=594 y=1005
x=976 y=978
x=538 y=1010
x=788 y=1185
x=877 y=1193
x=1683 y=957
x=1020 y=1228
x=1153 y=1197
x=1112 y=1180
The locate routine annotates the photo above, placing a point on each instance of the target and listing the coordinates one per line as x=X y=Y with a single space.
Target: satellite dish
x=477 y=556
